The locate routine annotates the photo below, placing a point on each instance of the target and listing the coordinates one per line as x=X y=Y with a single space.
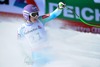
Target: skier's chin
x=35 y=19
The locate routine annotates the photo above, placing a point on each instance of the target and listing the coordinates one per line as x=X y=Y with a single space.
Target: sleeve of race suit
x=20 y=33
x=47 y=17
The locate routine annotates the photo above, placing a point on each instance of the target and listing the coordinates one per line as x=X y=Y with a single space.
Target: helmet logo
x=33 y=8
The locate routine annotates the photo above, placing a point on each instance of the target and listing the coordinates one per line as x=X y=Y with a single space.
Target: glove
x=61 y=5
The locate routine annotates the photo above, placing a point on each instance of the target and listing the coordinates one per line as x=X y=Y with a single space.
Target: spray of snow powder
x=69 y=48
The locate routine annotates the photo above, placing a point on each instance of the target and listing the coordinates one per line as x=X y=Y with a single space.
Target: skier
x=33 y=30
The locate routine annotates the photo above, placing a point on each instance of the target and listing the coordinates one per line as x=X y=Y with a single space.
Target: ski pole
x=80 y=17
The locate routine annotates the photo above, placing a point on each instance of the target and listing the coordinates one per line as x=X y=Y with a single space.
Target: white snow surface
x=70 y=48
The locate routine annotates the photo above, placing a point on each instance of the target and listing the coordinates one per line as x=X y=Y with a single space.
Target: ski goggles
x=34 y=14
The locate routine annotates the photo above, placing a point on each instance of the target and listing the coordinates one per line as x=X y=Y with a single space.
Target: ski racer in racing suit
x=33 y=30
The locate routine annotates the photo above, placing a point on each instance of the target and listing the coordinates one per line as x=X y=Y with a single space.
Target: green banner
x=88 y=10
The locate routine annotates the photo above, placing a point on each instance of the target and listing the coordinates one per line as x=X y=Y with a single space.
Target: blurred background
x=74 y=43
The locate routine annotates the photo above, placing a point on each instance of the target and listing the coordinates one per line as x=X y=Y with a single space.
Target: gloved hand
x=61 y=5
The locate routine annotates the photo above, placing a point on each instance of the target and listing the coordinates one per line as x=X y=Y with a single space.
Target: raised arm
x=47 y=17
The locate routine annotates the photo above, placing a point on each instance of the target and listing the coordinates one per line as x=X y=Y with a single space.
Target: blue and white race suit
x=35 y=32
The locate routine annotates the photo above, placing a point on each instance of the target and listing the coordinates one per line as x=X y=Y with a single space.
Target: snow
x=70 y=48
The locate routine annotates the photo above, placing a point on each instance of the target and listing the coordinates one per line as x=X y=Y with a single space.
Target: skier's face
x=34 y=16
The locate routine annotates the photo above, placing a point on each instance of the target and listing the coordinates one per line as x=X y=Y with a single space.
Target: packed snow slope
x=70 y=48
